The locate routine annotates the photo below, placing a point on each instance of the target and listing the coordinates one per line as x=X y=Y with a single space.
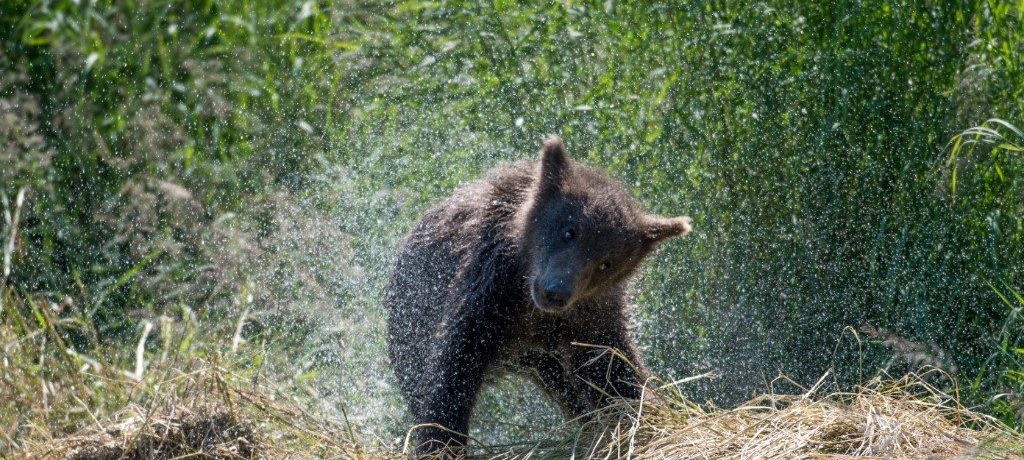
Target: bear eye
x=568 y=234
x=604 y=266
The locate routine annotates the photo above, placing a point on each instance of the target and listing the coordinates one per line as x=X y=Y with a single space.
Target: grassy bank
x=210 y=400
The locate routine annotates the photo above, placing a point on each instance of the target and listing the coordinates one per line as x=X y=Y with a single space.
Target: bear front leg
x=457 y=370
x=608 y=365
x=550 y=371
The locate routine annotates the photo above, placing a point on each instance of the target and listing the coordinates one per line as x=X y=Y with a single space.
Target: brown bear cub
x=508 y=274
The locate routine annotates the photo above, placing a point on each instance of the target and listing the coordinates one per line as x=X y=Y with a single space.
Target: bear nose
x=556 y=292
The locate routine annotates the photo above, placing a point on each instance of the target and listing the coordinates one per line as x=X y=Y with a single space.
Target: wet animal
x=514 y=273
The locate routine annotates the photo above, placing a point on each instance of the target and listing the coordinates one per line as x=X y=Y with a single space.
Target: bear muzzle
x=553 y=295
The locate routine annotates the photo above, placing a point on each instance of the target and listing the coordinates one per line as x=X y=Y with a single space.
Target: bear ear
x=554 y=162
x=658 y=228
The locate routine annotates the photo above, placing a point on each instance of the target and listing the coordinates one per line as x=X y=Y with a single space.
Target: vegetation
x=224 y=182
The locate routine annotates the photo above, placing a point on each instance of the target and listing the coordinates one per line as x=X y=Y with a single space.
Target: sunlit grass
x=192 y=390
x=211 y=398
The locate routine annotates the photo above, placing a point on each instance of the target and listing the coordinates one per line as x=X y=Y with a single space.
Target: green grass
x=189 y=159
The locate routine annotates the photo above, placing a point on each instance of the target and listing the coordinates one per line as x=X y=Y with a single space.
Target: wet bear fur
x=516 y=272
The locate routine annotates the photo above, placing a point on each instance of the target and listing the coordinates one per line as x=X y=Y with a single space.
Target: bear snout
x=552 y=295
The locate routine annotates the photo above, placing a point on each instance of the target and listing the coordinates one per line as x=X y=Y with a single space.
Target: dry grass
x=892 y=419
x=215 y=415
x=208 y=413
x=207 y=402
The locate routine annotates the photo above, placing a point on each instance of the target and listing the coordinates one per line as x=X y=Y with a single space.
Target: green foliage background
x=265 y=156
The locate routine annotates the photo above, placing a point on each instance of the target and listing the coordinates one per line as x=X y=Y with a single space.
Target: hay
x=214 y=415
x=168 y=436
x=210 y=413
x=901 y=419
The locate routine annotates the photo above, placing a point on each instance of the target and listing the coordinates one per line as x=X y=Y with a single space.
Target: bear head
x=582 y=233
